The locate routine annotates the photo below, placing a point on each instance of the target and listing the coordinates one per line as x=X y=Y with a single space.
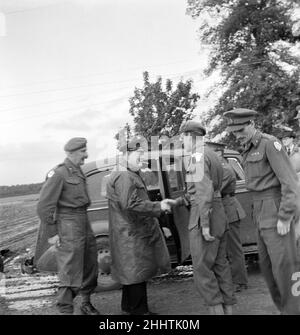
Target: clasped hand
x=167 y=204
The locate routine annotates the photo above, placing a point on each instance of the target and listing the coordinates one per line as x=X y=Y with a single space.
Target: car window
x=149 y=175
x=96 y=185
x=173 y=168
x=235 y=164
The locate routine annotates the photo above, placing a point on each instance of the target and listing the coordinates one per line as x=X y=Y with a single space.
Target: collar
x=72 y=168
x=255 y=140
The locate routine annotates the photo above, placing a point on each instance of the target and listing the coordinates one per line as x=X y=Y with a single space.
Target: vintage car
x=164 y=178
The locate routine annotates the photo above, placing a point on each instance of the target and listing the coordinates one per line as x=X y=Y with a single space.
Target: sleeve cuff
x=204 y=222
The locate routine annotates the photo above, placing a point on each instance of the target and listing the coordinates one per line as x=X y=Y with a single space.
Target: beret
x=192 y=126
x=132 y=144
x=75 y=143
x=239 y=117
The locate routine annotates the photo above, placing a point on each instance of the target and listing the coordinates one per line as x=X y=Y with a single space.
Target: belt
x=61 y=210
x=274 y=192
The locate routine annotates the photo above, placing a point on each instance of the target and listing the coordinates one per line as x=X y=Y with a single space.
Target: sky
x=68 y=69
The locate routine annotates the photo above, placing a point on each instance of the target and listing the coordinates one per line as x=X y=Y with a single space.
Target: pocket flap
x=254 y=156
x=73 y=180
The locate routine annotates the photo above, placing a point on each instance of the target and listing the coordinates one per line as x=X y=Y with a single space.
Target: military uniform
x=294 y=155
x=138 y=248
x=234 y=212
x=62 y=207
x=210 y=266
x=274 y=185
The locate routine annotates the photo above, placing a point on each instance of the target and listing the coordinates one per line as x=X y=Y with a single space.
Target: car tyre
x=105 y=281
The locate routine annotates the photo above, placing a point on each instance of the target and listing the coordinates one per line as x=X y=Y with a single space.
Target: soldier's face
x=191 y=143
x=244 y=135
x=134 y=160
x=287 y=141
x=79 y=156
x=187 y=142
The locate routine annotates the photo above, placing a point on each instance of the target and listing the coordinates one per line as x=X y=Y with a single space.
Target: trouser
x=134 y=299
x=278 y=257
x=235 y=254
x=280 y=268
x=76 y=259
x=212 y=275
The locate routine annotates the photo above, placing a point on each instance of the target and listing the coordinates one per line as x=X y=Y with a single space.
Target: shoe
x=88 y=309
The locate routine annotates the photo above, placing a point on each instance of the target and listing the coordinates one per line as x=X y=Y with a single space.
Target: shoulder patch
x=50 y=173
x=277 y=146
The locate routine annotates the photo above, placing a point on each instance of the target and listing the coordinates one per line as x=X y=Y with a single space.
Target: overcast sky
x=68 y=68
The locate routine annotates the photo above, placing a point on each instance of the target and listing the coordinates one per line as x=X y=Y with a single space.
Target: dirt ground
x=169 y=295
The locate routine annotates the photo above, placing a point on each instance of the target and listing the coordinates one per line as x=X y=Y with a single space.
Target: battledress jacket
x=138 y=248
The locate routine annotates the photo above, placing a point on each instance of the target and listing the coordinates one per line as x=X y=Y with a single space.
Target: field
x=18 y=223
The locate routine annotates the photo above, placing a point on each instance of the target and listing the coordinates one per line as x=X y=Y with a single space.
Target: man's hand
x=54 y=240
x=206 y=234
x=283 y=227
x=165 y=207
x=171 y=202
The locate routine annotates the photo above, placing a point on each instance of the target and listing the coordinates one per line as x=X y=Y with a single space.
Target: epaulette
x=268 y=136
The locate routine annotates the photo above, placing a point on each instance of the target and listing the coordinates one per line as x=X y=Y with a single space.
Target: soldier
x=288 y=138
x=274 y=185
x=62 y=207
x=138 y=248
x=235 y=213
x=207 y=222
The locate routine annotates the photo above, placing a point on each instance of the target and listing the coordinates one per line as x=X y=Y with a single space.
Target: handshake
x=167 y=204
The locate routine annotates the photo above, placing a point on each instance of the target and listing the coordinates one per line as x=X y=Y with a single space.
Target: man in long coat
x=138 y=248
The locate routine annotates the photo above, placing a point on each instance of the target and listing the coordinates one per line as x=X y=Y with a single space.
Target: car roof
x=109 y=163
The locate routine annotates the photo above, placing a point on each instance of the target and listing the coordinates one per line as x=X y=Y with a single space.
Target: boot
x=227 y=309
x=216 y=310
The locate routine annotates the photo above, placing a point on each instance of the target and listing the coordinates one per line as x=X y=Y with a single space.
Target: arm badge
x=277 y=146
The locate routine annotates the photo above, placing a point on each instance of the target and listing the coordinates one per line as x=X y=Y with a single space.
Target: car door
x=173 y=180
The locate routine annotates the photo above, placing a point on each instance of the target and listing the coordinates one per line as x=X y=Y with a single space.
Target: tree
x=158 y=111
x=251 y=45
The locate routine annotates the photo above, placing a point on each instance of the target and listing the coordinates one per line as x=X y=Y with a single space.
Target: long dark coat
x=138 y=248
